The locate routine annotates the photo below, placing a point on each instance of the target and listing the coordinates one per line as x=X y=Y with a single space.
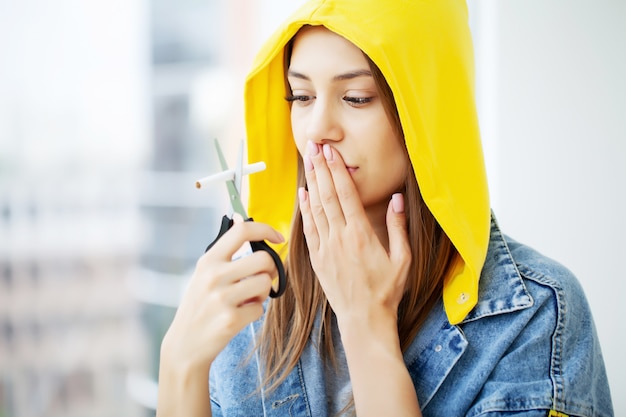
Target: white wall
x=552 y=93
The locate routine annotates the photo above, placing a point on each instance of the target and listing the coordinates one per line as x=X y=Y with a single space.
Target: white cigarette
x=229 y=174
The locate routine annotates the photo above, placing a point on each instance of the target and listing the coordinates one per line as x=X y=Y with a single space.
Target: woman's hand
x=223 y=296
x=359 y=276
x=362 y=280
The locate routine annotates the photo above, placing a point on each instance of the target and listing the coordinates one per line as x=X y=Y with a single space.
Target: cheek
x=386 y=177
x=298 y=134
x=395 y=160
x=395 y=174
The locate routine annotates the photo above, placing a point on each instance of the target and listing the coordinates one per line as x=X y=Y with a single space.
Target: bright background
x=107 y=114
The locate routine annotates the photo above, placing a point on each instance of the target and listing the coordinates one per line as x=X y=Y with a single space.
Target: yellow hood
x=427 y=59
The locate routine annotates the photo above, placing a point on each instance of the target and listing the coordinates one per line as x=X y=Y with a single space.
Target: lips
x=350 y=169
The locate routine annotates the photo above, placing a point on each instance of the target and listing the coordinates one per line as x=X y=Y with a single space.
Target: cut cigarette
x=229 y=174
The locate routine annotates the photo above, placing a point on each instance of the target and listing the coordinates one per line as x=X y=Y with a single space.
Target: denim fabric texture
x=529 y=346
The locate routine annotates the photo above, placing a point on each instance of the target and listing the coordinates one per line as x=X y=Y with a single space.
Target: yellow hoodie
x=424 y=50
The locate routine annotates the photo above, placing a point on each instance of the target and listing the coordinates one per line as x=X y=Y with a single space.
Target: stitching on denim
x=556 y=365
x=504 y=405
x=450 y=362
x=559 y=400
x=303 y=387
x=503 y=245
x=258 y=367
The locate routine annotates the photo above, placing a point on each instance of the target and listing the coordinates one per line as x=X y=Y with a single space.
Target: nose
x=324 y=124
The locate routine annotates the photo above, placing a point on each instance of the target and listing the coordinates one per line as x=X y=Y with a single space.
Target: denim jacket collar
x=426 y=352
x=437 y=333
x=435 y=350
x=510 y=294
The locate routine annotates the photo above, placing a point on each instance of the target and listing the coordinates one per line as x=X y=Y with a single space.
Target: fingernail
x=328 y=152
x=302 y=194
x=312 y=148
x=308 y=165
x=397 y=203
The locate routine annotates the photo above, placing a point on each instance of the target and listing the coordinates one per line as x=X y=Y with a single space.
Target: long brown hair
x=289 y=321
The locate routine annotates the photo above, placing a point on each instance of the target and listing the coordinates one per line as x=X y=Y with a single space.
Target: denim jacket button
x=438 y=348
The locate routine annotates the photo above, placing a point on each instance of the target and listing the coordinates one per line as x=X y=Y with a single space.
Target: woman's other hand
x=223 y=296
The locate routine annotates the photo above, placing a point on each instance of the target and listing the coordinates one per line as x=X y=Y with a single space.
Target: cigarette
x=229 y=174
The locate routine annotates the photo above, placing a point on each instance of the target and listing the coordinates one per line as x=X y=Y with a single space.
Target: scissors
x=233 y=183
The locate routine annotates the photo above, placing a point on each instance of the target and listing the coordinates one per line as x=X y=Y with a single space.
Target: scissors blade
x=233 y=192
x=239 y=169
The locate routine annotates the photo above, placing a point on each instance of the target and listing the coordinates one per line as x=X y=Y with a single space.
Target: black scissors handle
x=227 y=223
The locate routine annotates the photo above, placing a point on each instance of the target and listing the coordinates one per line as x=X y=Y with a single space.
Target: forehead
x=318 y=47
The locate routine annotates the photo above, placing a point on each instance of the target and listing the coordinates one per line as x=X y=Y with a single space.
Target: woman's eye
x=301 y=98
x=357 y=101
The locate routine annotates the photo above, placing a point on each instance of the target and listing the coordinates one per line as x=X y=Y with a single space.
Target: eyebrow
x=341 y=77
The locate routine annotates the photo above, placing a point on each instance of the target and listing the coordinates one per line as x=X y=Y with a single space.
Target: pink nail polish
x=328 y=152
x=302 y=194
x=397 y=203
x=308 y=165
x=312 y=148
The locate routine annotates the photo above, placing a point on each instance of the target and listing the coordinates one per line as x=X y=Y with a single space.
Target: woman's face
x=335 y=101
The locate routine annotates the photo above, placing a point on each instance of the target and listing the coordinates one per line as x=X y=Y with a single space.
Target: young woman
x=403 y=298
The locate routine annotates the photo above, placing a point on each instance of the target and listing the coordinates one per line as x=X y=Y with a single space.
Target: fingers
x=252 y=289
x=223 y=295
x=308 y=223
x=229 y=272
x=240 y=233
x=317 y=176
x=217 y=263
x=332 y=196
x=344 y=187
x=399 y=249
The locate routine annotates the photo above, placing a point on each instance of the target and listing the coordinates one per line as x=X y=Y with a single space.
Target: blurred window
x=8 y=332
x=7 y=275
x=5 y=212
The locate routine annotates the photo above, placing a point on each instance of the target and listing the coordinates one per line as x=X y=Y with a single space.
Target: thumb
x=397 y=229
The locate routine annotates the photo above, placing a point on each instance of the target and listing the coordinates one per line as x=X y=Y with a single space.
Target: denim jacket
x=529 y=346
